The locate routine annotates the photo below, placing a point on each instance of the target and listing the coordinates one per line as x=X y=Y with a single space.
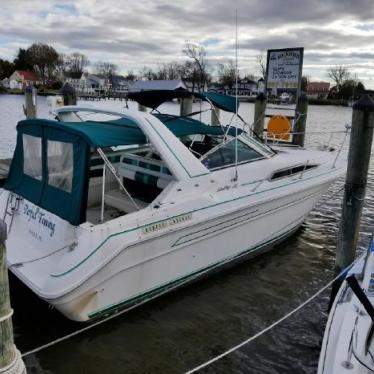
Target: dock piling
x=186 y=106
x=10 y=358
x=356 y=180
x=30 y=109
x=142 y=108
x=69 y=94
x=300 y=123
x=259 y=118
x=214 y=117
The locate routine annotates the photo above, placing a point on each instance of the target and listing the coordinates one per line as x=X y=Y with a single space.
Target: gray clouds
x=135 y=33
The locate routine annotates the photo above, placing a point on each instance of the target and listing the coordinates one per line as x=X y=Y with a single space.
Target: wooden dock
x=98 y=97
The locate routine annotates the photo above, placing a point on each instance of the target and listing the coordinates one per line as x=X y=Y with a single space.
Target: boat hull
x=151 y=268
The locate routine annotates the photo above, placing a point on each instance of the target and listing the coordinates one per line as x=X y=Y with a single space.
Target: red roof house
x=25 y=77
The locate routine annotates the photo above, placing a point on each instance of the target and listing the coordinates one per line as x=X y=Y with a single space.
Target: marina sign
x=284 y=69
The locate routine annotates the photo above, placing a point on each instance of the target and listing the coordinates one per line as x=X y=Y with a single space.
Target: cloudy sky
x=133 y=33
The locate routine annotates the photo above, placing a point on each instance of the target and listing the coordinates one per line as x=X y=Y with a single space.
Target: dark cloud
x=149 y=32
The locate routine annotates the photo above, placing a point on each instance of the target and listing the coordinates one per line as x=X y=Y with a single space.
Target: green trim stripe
x=159 y=289
x=190 y=212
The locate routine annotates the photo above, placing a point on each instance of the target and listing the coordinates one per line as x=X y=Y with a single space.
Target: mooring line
x=274 y=324
x=115 y=315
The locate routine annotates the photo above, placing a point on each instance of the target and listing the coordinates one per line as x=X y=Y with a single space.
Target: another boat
x=348 y=343
x=104 y=214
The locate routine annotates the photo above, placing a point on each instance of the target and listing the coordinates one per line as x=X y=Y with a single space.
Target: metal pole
x=30 y=102
x=259 y=119
x=10 y=357
x=186 y=106
x=300 y=120
x=356 y=180
x=103 y=195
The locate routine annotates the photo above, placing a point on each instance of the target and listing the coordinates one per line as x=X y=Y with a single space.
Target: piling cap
x=3 y=231
x=67 y=89
x=364 y=103
x=261 y=96
x=302 y=97
x=29 y=88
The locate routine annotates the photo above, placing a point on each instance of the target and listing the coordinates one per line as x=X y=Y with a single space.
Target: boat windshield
x=225 y=154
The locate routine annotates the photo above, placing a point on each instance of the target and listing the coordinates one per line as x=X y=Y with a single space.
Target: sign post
x=284 y=69
x=283 y=76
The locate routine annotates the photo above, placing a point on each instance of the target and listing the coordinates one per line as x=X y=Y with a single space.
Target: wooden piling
x=30 y=108
x=259 y=119
x=186 y=106
x=300 y=122
x=214 y=117
x=10 y=358
x=69 y=94
x=356 y=180
x=142 y=108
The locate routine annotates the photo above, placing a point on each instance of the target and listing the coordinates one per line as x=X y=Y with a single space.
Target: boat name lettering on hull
x=167 y=223
x=36 y=215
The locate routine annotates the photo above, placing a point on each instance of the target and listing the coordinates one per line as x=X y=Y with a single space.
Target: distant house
x=23 y=78
x=76 y=80
x=88 y=83
x=318 y=89
x=120 y=84
x=5 y=82
x=97 y=83
x=175 y=84
x=246 y=87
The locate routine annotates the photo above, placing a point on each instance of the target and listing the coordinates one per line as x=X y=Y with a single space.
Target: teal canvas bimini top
x=154 y=98
x=52 y=159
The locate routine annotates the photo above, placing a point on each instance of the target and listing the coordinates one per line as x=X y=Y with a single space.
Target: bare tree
x=147 y=73
x=227 y=73
x=197 y=53
x=130 y=76
x=76 y=62
x=338 y=74
x=106 y=69
x=261 y=64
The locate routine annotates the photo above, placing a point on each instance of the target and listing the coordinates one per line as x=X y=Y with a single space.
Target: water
x=183 y=329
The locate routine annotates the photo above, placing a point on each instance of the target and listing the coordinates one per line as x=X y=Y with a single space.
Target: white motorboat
x=104 y=214
x=348 y=344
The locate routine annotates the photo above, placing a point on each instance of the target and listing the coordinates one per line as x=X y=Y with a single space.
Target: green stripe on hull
x=152 y=293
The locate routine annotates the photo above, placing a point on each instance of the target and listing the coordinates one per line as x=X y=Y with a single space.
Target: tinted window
x=225 y=155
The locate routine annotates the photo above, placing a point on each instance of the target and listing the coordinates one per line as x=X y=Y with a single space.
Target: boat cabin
x=94 y=171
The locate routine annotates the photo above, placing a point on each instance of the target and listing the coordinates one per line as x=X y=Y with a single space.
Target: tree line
x=52 y=66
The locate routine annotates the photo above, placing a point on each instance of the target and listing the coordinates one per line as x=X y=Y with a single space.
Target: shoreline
x=311 y=101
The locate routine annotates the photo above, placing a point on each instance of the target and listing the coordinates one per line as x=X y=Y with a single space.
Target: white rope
x=29 y=261
x=16 y=366
x=7 y=316
x=274 y=324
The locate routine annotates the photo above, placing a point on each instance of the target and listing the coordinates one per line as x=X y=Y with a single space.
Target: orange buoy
x=279 y=127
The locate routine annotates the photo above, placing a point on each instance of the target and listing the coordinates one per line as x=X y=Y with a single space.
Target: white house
x=175 y=84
